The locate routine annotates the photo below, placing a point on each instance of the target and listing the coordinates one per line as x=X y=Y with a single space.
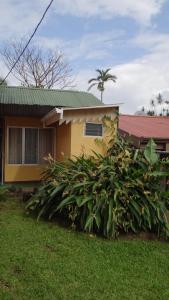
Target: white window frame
x=23 y=144
x=93 y=136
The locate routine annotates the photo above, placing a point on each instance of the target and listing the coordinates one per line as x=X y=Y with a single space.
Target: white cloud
x=3 y=71
x=152 y=41
x=93 y=45
x=18 y=17
x=142 y=11
x=140 y=79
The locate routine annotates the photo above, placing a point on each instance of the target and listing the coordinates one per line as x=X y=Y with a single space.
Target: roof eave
x=58 y=113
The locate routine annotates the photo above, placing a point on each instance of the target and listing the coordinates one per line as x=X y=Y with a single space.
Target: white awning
x=80 y=114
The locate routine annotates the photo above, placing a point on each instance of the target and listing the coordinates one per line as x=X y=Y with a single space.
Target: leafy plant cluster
x=118 y=192
x=3 y=193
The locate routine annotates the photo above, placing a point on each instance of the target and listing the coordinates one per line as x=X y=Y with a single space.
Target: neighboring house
x=36 y=122
x=139 y=129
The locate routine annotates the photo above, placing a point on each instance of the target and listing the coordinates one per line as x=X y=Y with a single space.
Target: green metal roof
x=44 y=97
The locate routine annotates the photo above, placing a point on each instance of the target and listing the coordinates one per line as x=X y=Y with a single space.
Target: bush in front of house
x=118 y=192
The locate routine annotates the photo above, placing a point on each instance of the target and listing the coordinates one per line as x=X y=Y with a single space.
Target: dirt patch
x=49 y=248
x=144 y=236
x=5 y=284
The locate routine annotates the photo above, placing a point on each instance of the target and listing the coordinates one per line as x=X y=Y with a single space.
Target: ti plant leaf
x=150 y=152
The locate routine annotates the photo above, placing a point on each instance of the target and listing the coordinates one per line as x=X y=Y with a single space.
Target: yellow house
x=37 y=122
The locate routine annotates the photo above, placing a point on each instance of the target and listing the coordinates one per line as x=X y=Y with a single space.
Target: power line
x=28 y=42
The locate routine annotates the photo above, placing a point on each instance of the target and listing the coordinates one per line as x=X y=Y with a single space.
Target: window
x=15 y=146
x=45 y=143
x=93 y=129
x=29 y=145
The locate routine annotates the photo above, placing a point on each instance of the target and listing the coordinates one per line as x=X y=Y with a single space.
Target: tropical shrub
x=3 y=193
x=118 y=192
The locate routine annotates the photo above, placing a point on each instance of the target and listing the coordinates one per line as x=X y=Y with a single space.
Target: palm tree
x=150 y=113
x=103 y=76
x=160 y=102
x=152 y=103
x=167 y=109
x=164 y=111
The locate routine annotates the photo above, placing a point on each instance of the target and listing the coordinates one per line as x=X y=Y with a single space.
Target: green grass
x=45 y=261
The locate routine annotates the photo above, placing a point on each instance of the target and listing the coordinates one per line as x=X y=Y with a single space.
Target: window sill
x=25 y=165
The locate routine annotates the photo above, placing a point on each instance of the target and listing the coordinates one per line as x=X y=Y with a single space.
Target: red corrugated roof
x=145 y=126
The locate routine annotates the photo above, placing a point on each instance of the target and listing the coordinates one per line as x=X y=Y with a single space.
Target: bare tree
x=37 y=67
x=3 y=82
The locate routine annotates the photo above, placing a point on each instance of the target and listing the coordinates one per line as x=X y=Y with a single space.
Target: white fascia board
x=93 y=107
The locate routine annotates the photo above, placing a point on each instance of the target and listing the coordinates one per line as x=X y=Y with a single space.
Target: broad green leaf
x=89 y=223
x=83 y=200
x=150 y=152
x=98 y=219
x=66 y=202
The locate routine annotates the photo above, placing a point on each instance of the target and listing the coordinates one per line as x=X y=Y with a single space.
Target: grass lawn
x=44 y=261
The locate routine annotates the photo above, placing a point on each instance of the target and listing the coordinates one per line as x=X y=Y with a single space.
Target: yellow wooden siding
x=80 y=143
x=71 y=141
x=18 y=173
x=63 y=141
x=167 y=147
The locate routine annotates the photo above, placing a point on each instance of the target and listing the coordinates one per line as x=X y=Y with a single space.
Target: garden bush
x=106 y=194
x=3 y=193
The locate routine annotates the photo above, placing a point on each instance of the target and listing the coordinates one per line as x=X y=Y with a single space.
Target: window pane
x=94 y=129
x=15 y=146
x=45 y=144
x=31 y=145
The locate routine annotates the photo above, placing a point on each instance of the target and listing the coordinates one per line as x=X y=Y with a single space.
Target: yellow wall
x=167 y=147
x=71 y=141
x=16 y=173
x=80 y=143
x=63 y=141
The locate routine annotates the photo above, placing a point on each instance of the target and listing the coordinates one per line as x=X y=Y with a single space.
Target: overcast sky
x=129 y=36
